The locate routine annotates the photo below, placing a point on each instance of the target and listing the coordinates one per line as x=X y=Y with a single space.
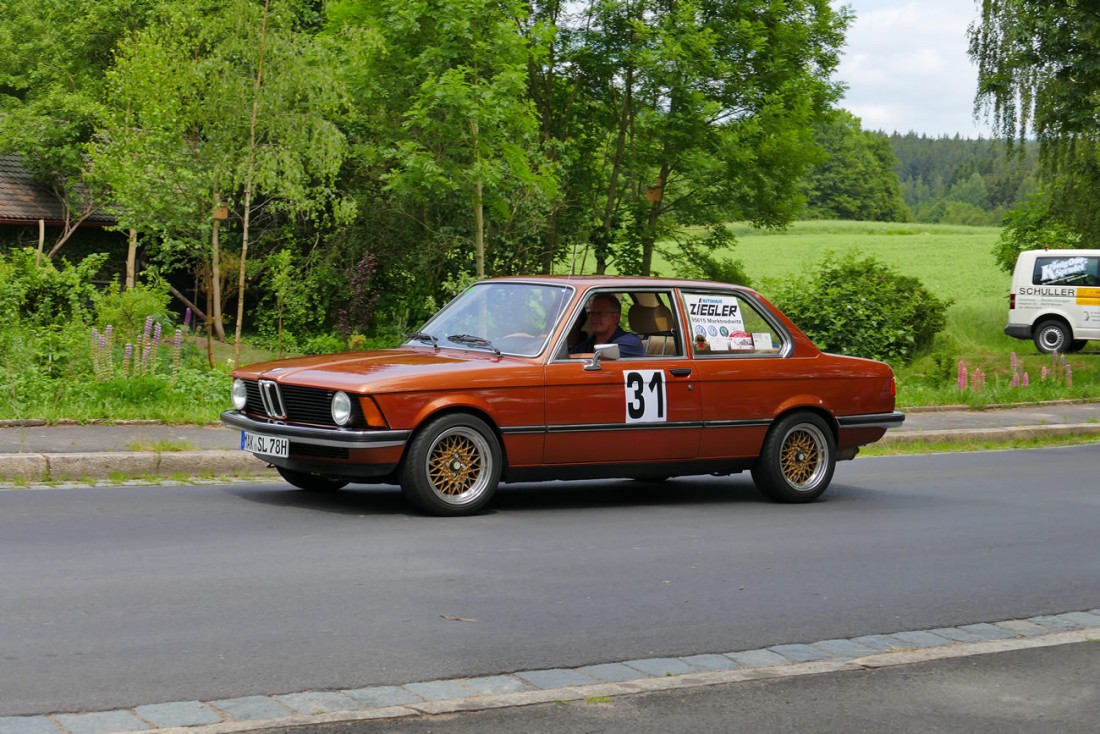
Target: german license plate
x=266 y=445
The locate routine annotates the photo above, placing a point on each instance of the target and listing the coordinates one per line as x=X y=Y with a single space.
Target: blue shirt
x=630 y=345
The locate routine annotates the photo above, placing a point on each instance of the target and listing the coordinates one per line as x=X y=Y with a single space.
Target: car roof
x=618 y=282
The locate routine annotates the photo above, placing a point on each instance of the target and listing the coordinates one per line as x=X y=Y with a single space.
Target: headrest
x=649 y=319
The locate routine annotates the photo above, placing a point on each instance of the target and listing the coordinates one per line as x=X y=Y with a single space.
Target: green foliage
x=857 y=305
x=1037 y=75
x=1031 y=227
x=695 y=257
x=45 y=293
x=127 y=310
x=857 y=179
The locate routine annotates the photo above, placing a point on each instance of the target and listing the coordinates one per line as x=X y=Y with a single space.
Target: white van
x=1055 y=299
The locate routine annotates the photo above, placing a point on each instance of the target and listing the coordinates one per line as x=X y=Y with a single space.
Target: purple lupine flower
x=1012 y=364
x=148 y=326
x=187 y=318
x=962 y=376
x=127 y=353
x=1069 y=376
x=1023 y=380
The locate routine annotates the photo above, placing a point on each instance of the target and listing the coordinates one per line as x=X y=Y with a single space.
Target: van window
x=1066 y=270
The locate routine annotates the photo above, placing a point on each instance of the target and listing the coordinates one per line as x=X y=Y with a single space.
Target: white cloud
x=907 y=69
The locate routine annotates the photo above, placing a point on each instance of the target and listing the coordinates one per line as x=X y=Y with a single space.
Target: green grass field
x=955 y=263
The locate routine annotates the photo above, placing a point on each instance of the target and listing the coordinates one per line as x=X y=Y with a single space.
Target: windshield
x=509 y=318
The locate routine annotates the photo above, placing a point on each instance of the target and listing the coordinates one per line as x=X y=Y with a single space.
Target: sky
x=907 y=69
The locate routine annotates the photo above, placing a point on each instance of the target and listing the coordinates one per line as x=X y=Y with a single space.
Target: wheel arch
x=441 y=411
x=817 y=409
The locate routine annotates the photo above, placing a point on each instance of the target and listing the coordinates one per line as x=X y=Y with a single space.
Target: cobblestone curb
x=987 y=435
x=522 y=688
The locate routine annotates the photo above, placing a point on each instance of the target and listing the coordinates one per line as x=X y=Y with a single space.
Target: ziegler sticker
x=717 y=319
x=646 y=401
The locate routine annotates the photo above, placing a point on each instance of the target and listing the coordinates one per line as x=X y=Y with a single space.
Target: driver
x=604 y=313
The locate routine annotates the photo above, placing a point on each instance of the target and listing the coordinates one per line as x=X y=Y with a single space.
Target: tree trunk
x=479 y=204
x=649 y=238
x=131 y=259
x=216 y=280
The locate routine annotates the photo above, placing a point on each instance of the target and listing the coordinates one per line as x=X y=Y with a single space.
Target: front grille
x=303 y=404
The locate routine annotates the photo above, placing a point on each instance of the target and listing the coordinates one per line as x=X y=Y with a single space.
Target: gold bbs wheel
x=797 y=459
x=456 y=463
x=452 y=466
x=802 y=456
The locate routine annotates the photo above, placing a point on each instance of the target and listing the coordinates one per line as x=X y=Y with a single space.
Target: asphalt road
x=114 y=597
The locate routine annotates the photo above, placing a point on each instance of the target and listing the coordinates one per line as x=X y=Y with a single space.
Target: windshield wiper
x=424 y=337
x=474 y=341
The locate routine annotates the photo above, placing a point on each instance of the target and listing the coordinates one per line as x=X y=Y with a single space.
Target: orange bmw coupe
x=582 y=377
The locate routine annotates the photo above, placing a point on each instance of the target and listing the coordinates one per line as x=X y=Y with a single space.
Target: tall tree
x=857 y=180
x=444 y=85
x=222 y=104
x=707 y=109
x=52 y=77
x=1038 y=72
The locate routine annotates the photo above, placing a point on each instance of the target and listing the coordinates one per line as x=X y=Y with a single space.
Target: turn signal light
x=372 y=413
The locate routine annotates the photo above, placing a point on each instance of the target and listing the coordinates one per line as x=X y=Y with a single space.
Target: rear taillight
x=893 y=388
x=1011 y=301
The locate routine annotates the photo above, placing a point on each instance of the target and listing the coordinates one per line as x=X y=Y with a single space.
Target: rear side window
x=728 y=324
x=1066 y=270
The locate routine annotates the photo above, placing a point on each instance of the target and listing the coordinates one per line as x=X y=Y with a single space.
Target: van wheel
x=1052 y=336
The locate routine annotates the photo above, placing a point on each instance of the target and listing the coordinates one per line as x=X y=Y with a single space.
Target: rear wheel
x=797 y=460
x=452 y=466
x=1076 y=345
x=1052 y=336
x=312 y=482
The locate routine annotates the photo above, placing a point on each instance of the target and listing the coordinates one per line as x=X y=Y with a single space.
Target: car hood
x=388 y=370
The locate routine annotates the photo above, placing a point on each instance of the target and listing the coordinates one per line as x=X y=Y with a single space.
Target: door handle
x=680 y=371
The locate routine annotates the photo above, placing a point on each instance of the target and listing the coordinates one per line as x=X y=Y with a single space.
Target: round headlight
x=341 y=408
x=240 y=394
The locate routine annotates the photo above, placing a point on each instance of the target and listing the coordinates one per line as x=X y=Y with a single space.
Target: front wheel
x=452 y=466
x=312 y=482
x=797 y=460
x=1052 y=336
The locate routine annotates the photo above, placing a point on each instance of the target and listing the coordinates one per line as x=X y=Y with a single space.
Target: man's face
x=603 y=317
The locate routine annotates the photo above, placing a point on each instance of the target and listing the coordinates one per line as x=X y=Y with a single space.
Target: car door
x=628 y=410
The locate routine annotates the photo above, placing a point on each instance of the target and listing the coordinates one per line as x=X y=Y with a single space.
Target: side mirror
x=601 y=352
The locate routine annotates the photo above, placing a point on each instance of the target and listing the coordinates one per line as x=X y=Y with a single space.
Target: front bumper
x=345 y=438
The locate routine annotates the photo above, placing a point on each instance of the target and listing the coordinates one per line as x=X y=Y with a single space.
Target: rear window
x=1066 y=270
x=727 y=324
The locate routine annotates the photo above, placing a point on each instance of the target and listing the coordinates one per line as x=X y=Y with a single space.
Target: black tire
x=312 y=482
x=797 y=460
x=1052 y=336
x=452 y=466
x=1076 y=346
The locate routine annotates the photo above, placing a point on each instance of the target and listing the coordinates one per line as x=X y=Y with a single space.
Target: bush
x=858 y=305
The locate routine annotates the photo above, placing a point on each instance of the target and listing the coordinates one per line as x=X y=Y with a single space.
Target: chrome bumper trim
x=338 y=437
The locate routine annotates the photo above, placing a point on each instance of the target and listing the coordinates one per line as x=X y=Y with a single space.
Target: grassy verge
x=940 y=447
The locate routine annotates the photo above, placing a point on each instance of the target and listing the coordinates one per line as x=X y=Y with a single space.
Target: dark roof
x=24 y=200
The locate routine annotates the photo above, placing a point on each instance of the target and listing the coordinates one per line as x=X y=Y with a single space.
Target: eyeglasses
x=601 y=314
